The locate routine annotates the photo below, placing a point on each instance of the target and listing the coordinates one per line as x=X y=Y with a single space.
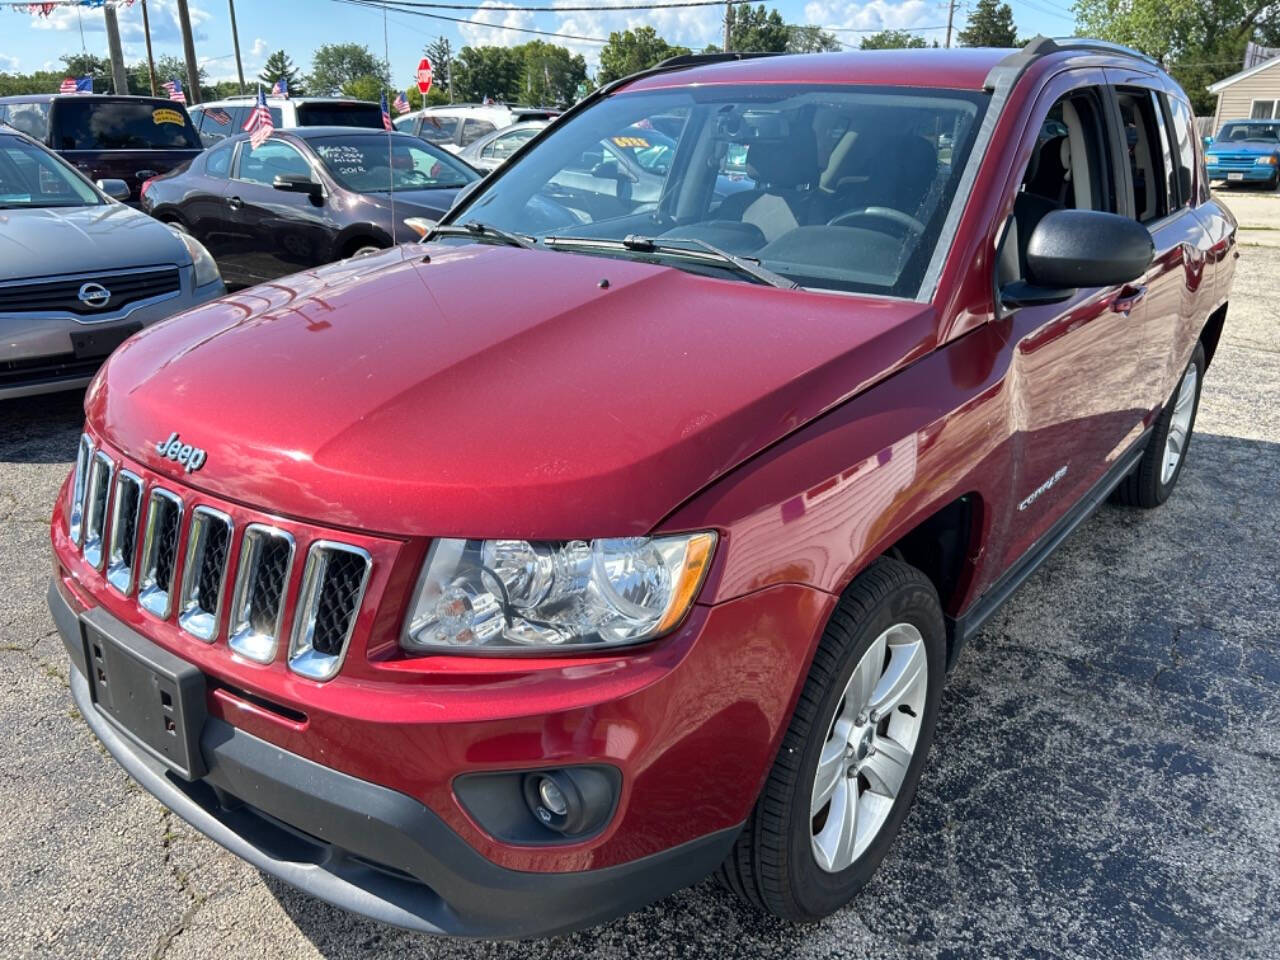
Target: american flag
x=259 y=125
x=219 y=116
x=76 y=85
x=280 y=88
x=386 y=117
x=174 y=89
x=401 y=104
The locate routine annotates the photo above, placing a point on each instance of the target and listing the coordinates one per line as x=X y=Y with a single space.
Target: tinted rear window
x=92 y=123
x=31 y=118
x=340 y=115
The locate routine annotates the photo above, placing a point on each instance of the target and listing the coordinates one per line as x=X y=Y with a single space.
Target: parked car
x=498 y=585
x=79 y=271
x=460 y=124
x=306 y=197
x=107 y=138
x=494 y=149
x=218 y=119
x=1246 y=151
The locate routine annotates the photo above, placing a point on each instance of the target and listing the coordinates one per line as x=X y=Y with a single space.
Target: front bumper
x=1258 y=173
x=364 y=847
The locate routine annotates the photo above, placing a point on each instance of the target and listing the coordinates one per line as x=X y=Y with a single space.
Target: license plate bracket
x=1235 y=176
x=155 y=698
x=92 y=344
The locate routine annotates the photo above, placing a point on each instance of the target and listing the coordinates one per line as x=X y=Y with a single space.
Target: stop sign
x=424 y=76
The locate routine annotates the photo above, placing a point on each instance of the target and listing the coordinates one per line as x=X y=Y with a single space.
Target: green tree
x=278 y=66
x=480 y=72
x=337 y=65
x=366 y=87
x=990 y=25
x=81 y=64
x=1198 y=42
x=811 y=39
x=629 y=51
x=892 y=40
x=440 y=52
x=551 y=73
x=757 y=30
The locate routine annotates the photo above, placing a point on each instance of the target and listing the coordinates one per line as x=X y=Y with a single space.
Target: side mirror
x=115 y=189
x=1206 y=140
x=297 y=183
x=1070 y=249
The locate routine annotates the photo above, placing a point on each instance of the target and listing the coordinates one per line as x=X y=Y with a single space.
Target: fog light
x=571 y=801
x=552 y=797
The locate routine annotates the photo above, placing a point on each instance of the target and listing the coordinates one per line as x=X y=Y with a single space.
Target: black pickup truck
x=108 y=137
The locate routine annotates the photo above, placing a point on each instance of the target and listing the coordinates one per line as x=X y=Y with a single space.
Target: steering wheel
x=911 y=224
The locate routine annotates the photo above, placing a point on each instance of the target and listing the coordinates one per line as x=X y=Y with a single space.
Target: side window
x=218 y=161
x=1150 y=164
x=502 y=147
x=438 y=129
x=404 y=124
x=1069 y=169
x=473 y=130
x=274 y=158
x=1184 y=147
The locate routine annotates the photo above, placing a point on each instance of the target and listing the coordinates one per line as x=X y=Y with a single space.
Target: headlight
x=504 y=595
x=206 y=269
x=1269 y=160
x=419 y=225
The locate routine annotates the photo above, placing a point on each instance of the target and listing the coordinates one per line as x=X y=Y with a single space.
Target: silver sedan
x=80 y=271
x=494 y=149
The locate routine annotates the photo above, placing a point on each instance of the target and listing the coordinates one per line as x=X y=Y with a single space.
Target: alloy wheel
x=870 y=743
x=1180 y=424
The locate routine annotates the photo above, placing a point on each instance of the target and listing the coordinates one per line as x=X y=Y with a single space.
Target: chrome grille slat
x=261 y=585
x=333 y=585
x=97 y=497
x=126 y=508
x=204 y=572
x=75 y=516
x=160 y=552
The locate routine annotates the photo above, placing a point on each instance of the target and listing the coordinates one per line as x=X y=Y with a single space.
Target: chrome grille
x=125 y=509
x=204 y=572
x=333 y=585
x=97 y=496
x=257 y=604
x=63 y=295
x=75 y=516
x=160 y=552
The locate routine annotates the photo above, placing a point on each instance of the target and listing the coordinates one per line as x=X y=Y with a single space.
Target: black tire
x=1144 y=486
x=772 y=866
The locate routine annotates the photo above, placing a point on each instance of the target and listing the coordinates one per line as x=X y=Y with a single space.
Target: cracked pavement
x=1105 y=779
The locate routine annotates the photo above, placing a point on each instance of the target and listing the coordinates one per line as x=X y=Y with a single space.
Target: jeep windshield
x=839 y=188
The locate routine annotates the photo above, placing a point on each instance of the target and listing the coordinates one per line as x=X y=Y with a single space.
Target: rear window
x=93 y=123
x=31 y=118
x=340 y=115
x=438 y=129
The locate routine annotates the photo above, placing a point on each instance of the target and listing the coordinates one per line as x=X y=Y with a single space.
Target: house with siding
x=1253 y=93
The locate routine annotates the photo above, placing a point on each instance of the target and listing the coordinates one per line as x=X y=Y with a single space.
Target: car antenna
x=386 y=122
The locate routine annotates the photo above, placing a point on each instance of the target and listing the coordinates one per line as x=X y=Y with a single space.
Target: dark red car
x=501 y=584
x=108 y=137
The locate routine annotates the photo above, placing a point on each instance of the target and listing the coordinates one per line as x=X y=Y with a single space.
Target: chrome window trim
x=304 y=660
x=95 y=516
x=120 y=573
x=192 y=618
x=241 y=637
x=79 y=484
x=154 y=599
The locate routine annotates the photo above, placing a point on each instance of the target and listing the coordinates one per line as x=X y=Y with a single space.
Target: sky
x=30 y=43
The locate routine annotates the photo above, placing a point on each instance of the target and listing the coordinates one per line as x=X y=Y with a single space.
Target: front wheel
x=1153 y=479
x=852 y=756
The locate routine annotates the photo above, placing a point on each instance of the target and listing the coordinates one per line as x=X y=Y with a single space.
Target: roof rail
x=1014 y=65
x=699 y=59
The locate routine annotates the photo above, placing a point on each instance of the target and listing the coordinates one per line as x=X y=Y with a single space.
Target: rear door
x=1164 y=196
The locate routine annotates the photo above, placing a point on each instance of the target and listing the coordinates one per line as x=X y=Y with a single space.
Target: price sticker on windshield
x=637 y=142
x=164 y=115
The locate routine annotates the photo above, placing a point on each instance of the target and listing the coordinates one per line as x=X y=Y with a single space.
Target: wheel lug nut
x=862 y=718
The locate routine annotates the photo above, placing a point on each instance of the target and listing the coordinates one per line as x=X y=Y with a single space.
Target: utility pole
x=235 y=42
x=118 y=79
x=728 y=24
x=951 y=14
x=151 y=64
x=189 y=52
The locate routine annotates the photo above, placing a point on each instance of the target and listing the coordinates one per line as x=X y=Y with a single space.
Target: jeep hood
x=491 y=391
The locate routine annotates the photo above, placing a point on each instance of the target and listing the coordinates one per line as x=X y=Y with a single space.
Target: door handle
x=235 y=203
x=1128 y=298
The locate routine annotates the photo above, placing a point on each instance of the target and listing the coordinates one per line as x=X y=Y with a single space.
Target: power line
x=383 y=4
x=592 y=8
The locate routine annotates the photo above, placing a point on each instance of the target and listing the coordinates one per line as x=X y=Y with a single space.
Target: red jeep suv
x=501 y=584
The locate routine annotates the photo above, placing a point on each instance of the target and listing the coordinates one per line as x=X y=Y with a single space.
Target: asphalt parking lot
x=1105 y=780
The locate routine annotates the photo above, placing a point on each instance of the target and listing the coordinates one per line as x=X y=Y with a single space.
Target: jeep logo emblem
x=94 y=295
x=191 y=458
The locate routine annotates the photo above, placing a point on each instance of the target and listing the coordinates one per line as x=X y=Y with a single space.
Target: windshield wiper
x=683 y=246
x=477 y=229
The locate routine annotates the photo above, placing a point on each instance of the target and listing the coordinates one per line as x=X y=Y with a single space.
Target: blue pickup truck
x=1245 y=150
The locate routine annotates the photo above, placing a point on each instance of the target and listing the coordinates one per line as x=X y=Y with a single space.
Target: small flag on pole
x=174 y=89
x=386 y=117
x=219 y=116
x=280 y=88
x=259 y=126
x=401 y=104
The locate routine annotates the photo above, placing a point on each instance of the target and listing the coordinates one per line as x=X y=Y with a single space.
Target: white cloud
x=8 y=64
x=875 y=15
x=260 y=48
x=480 y=32
x=165 y=27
